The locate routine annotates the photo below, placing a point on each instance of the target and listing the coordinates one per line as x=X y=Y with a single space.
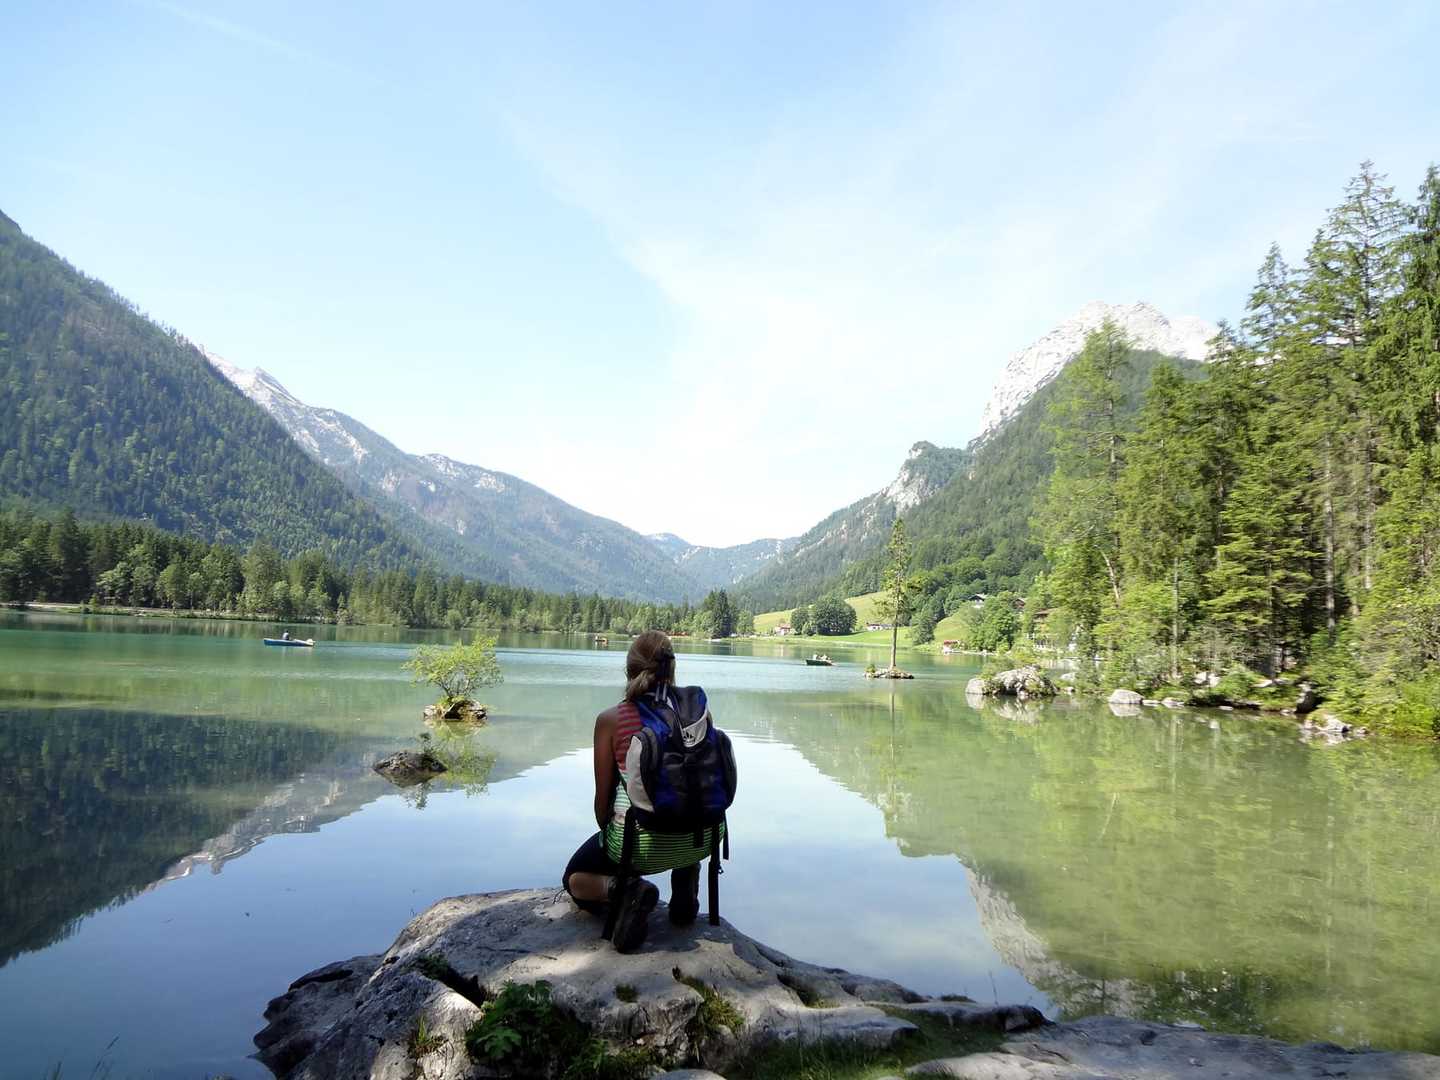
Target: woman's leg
x=588 y=875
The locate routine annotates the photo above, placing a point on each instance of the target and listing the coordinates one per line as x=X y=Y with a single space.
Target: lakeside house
x=949 y=645
x=877 y=626
x=784 y=630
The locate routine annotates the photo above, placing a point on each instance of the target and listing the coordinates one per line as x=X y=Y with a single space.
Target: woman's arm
x=604 y=766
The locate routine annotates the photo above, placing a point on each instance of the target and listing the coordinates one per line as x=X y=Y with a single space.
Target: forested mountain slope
x=851 y=534
x=981 y=518
x=486 y=522
x=105 y=411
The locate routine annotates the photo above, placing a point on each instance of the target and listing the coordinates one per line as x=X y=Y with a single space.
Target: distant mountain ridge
x=721 y=568
x=1035 y=365
x=507 y=528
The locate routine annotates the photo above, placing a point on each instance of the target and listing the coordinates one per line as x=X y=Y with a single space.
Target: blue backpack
x=680 y=777
x=680 y=768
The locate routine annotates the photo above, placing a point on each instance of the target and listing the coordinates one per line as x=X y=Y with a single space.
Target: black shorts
x=590 y=858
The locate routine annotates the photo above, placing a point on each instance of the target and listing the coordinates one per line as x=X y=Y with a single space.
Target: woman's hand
x=604 y=766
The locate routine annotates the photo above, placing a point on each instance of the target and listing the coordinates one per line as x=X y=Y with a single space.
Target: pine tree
x=1406 y=367
x=1270 y=310
x=1163 y=506
x=1078 y=520
x=1352 y=270
x=1261 y=578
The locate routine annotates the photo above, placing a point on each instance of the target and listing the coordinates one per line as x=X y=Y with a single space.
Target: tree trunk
x=1114 y=577
x=1329 y=550
x=1367 y=538
x=894 y=636
x=1175 y=619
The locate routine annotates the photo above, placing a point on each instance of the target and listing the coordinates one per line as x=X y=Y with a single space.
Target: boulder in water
x=1125 y=697
x=461 y=710
x=1022 y=682
x=408 y=768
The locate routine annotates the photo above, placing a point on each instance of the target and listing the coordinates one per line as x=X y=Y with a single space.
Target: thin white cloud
x=246 y=35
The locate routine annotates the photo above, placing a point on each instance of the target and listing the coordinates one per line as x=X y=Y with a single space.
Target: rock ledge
x=361 y=1018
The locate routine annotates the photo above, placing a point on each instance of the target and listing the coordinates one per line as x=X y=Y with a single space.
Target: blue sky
x=708 y=268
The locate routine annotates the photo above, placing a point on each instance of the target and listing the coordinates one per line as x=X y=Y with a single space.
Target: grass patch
x=853 y=1061
x=626 y=993
x=523 y=1033
x=423 y=1041
x=434 y=966
x=714 y=1012
x=865 y=610
x=806 y=993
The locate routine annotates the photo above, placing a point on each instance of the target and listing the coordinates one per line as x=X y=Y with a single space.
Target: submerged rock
x=1330 y=731
x=408 y=768
x=1108 y=1046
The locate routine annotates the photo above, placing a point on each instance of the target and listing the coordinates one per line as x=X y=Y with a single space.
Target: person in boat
x=594 y=877
x=285 y=636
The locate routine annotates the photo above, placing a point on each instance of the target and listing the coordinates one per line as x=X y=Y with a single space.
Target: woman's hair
x=649 y=664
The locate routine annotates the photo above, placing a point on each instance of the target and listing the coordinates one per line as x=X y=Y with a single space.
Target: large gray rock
x=1022 y=682
x=455 y=955
x=1125 y=697
x=358 y=1019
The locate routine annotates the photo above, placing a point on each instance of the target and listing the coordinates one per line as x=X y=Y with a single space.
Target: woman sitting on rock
x=688 y=793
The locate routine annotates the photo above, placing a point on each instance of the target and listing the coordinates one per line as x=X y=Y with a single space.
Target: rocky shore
x=435 y=1005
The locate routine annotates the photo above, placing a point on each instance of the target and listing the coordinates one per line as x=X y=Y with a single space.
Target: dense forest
x=58 y=558
x=1282 y=514
x=105 y=411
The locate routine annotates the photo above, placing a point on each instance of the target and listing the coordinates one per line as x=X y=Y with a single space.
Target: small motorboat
x=306 y=643
x=819 y=661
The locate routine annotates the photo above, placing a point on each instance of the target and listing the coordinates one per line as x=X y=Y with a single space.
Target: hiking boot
x=684 y=895
x=636 y=900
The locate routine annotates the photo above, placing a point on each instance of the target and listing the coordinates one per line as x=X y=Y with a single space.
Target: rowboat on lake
x=819 y=661
x=308 y=643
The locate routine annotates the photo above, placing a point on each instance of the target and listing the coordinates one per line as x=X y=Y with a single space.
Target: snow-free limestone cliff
x=1039 y=362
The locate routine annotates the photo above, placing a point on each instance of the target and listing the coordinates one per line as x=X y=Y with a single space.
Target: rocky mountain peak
x=1036 y=364
x=925 y=470
x=323 y=432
